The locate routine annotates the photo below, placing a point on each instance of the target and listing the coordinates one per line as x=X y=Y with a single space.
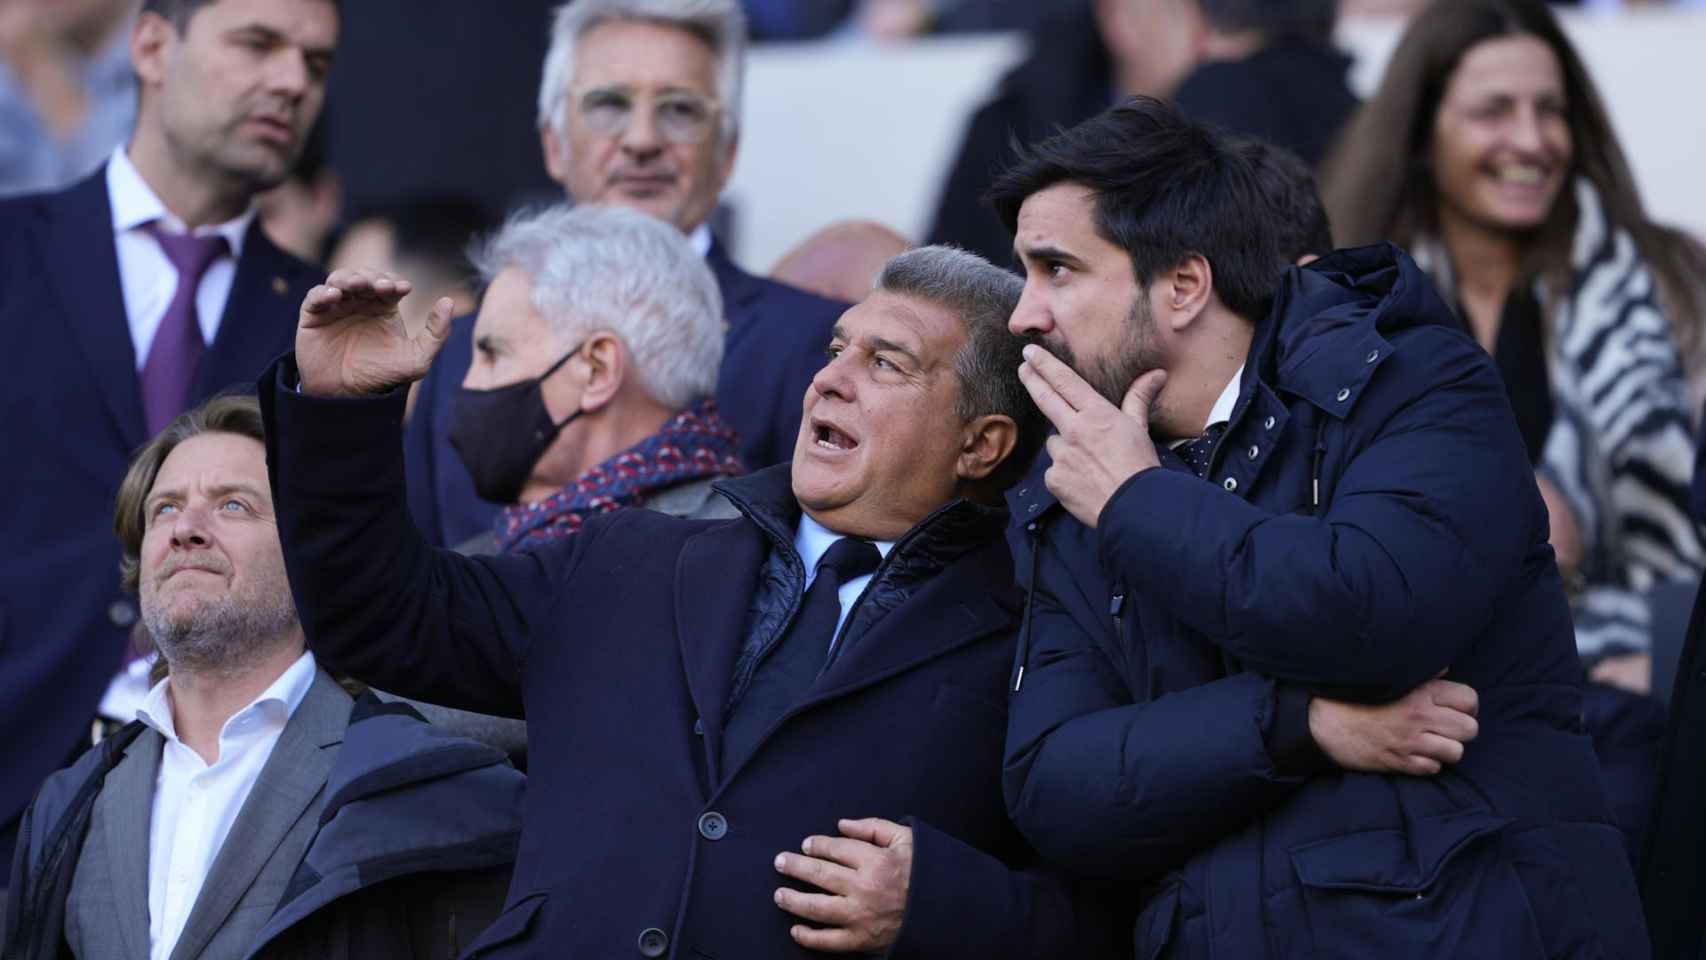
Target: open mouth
x=829 y=438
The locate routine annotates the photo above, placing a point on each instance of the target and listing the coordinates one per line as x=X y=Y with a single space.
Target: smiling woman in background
x=1487 y=152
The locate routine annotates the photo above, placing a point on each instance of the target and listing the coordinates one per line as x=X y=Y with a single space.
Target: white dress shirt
x=1222 y=409
x=195 y=804
x=813 y=540
x=146 y=276
x=700 y=238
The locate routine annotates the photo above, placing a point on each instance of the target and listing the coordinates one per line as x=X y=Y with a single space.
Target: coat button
x=1230 y=484
x=1344 y=394
x=121 y=614
x=1268 y=424
x=1373 y=355
x=712 y=826
x=1253 y=452
x=653 y=942
x=699 y=728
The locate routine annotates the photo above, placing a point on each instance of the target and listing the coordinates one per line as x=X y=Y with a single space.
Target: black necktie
x=795 y=660
x=1196 y=453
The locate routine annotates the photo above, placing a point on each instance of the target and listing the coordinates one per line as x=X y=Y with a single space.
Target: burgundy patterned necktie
x=178 y=346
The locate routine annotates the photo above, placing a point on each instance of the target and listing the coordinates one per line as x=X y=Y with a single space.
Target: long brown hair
x=1378 y=185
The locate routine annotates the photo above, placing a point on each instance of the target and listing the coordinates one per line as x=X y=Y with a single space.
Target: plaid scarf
x=696 y=443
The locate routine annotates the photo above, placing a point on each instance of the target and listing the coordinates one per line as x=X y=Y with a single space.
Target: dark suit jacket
x=619 y=646
x=774 y=346
x=70 y=419
x=1066 y=79
x=1291 y=93
x=1673 y=870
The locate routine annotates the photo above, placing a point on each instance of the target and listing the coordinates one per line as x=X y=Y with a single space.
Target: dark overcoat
x=773 y=346
x=70 y=420
x=620 y=646
x=1369 y=521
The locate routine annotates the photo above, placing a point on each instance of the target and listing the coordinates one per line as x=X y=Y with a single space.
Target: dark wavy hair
x=1165 y=188
x=1378 y=184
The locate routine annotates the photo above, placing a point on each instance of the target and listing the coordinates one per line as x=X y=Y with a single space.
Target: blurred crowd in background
x=1485 y=150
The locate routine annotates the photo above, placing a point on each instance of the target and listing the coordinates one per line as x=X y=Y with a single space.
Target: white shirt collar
x=1222 y=409
x=283 y=697
x=813 y=540
x=701 y=240
x=135 y=203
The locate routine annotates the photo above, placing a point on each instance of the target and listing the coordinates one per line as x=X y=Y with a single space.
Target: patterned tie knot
x=850 y=558
x=192 y=255
x=1196 y=453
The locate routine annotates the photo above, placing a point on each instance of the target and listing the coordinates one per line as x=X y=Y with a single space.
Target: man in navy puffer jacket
x=1264 y=488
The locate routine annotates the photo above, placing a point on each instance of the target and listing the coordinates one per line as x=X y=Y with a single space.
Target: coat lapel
x=82 y=264
x=715 y=579
x=259 y=319
x=294 y=774
x=954 y=608
x=125 y=806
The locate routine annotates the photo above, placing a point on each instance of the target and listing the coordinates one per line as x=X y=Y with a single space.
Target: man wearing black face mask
x=604 y=319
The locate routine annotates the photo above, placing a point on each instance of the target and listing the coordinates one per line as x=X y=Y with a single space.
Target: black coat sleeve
x=376 y=601
x=963 y=902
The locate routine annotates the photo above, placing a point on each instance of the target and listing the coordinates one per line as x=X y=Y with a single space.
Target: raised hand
x=1098 y=446
x=351 y=339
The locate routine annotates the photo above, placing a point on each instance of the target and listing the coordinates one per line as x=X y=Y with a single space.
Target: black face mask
x=501 y=433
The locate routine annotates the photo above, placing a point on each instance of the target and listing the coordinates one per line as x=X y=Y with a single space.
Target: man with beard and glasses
x=126 y=299
x=252 y=809
x=1272 y=485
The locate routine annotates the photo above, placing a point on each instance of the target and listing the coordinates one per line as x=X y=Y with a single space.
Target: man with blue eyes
x=639 y=107
x=125 y=299
x=207 y=827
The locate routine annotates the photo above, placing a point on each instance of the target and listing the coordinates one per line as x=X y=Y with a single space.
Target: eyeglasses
x=679 y=116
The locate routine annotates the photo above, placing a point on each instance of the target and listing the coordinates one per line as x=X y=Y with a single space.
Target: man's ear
x=985 y=444
x=1181 y=293
x=556 y=151
x=605 y=359
x=150 y=40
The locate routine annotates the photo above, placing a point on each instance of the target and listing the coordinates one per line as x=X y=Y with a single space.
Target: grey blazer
x=106 y=914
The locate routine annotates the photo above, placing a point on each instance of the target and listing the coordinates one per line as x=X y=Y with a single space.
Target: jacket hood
x=404 y=797
x=1330 y=324
x=1326 y=332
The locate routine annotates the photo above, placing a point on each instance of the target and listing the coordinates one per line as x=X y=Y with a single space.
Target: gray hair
x=721 y=24
x=984 y=297
x=608 y=268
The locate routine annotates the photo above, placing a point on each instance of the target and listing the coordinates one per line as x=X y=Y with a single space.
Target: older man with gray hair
x=639 y=107
x=595 y=356
x=771 y=736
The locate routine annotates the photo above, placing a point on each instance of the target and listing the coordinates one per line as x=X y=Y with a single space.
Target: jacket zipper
x=1315 y=471
x=1030 y=604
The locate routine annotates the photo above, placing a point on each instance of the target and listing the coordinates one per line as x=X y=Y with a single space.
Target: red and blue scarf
x=695 y=444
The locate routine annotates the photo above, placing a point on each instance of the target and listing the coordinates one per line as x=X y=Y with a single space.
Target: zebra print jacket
x=1621 y=444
